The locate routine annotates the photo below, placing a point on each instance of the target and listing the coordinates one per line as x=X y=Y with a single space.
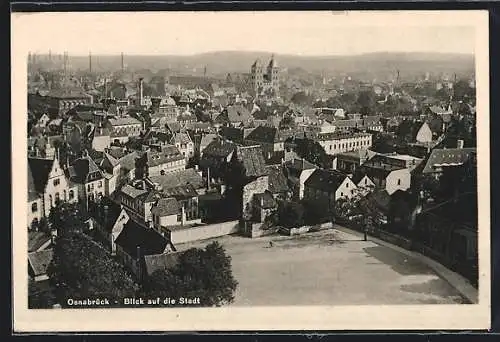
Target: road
x=329 y=268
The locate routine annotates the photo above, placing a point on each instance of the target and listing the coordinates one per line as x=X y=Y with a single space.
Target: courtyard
x=329 y=268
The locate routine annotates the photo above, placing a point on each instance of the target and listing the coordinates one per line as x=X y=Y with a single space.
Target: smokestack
x=90 y=61
x=141 y=92
x=183 y=216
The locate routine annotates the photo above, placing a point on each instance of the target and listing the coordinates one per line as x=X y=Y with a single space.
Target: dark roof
x=181 y=192
x=252 y=159
x=40 y=261
x=179 y=178
x=40 y=169
x=264 y=134
x=377 y=202
x=326 y=180
x=277 y=179
x=86 y=170
x=114 y=211
x=447 y=157
x=158 y=262
x=166 y=207
x=168 y=154
x=232 y=133
x=134 y=235
x=299 y=165
x=32 y=191
x=219 y=148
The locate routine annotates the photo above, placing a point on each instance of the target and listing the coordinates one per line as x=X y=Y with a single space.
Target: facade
x=424 y=134
x=167 y=160
x=334 y=143
x=90 y=179
x=184 y=144
x=328 y=186
x=50 y=183
x=125 y=126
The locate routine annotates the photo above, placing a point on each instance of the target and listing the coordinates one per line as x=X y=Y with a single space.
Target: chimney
x=106 y=214
x=183 y=216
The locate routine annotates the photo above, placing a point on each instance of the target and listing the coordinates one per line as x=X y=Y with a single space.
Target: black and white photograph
x=179 y=162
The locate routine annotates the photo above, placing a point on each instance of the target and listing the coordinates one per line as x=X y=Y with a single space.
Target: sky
x=297 y=33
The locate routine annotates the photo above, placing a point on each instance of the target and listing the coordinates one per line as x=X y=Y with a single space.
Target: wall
x=424 y=134
x=203 y=232
x=101 y=142
x=166 y=221
x=168 y=167
x=392 y=179
x=38 y=214
x=257 y=186
x=345 y=189
x=304 y=175
x=57 y=173
x=340 y=145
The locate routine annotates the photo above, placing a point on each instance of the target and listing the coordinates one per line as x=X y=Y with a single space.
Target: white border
x=442 y=317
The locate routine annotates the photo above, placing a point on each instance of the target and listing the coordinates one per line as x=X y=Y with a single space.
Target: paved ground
x=329 y=268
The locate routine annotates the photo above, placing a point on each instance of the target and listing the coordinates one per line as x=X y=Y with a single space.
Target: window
x=92 y=186
x=34 y=207
x=57 y=198
x=352 y=192
x=88 y=188
x=162 y=172
x=99 y=185
x=50 y=200
x=71 y=195
x=64 y=195
x=56 y=182
x=366 y=181
x=399 y=181
x=341 y=194
x=346 y=185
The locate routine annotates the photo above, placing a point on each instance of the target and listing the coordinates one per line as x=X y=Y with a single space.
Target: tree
x=66 y=217
x=39 y=297
x=82 y=269
x=301 y=98
x=312 y=151
x=204 y=273
x=366 y=101
x=290 y=214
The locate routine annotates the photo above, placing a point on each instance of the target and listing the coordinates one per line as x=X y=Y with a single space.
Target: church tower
x=273 y=74
x=257 y=75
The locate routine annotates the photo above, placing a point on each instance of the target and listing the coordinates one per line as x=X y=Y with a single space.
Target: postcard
x=226 y=171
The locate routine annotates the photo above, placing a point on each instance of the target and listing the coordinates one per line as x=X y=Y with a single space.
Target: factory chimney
x=141 y=91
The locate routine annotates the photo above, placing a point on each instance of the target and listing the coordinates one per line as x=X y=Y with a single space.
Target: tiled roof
x=148 y=240
x=179 y=178
x=219 y=148
x=181 y=138
x=85 y=170
x=252 y=159
x=40 y=261
x=300 y=165
x=168 y=154
x=127 y=162
x=447 y=157
x=264 y=134
x=207 y=139
x=124 y=121
x=40 y=169
x=181 y=192
x=277 y=179
x=159 y=262
x=166 y=207
x=37 y=239
x=132 y=191
x=325 y=180
x=340 y=135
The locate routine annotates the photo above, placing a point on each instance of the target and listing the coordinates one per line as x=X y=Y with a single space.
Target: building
x=184 y=144
x=265 y=80
x=424 y=134
x=297 y=172
x=89 y=178
x=61 y=101
x=166 y=212
x=328 y=186
x=47 y=187
x=235 y=116
x=156 y=162
x=110 y=220
x=335 y=143
x=349 y=162
x=125 y=126
x=387 y=173
x=441 y=158
x=269 y=138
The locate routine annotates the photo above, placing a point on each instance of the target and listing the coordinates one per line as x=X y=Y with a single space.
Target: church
x=265 y=81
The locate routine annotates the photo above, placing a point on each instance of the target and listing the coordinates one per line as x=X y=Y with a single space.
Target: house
x=168 y=159
x=49 y=186
x=269 y=138
x=403 y=209
x=440 y=158
x=166 y=212
x=363 y=182
x=38 y=263
x=135 y=242
x=349 y=162
x=325 y=187
x=297 y=171
x=263 y=205
x=215 y=157
x=182 y=178
x=387 y=173
x=372 y=123
x=39 y=241
x=138 y=197
x=89 y=178
x=110 y=220
x=205 y=141
x=376 y=205
x=101 y=138
x=184 y=144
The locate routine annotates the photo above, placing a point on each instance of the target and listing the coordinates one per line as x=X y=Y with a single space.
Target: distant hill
x=223 y=62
